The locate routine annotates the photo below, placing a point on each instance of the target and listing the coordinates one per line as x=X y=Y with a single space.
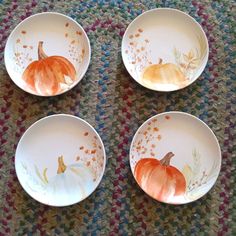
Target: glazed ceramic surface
x=60 y=160
x=165 y=49
x=47 y=54
x=175 y=158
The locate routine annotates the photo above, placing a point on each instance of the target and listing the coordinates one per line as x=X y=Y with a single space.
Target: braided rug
x=110 y=100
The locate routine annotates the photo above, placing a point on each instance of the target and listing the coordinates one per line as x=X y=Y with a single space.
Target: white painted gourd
x=71 y=184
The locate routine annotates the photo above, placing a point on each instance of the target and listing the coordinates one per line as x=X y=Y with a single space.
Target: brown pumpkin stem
x=41 y=53
x=160 y=61
x=61 y=165
x=165 y=161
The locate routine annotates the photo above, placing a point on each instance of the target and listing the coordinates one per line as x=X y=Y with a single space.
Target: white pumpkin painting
x=71 y=183
x=60 y=160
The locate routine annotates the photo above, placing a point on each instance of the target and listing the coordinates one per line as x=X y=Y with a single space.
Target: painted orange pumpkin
x=167 y=73
x=48 y=75
x=159 y=179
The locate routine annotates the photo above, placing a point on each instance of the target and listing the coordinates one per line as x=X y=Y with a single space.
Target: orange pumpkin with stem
x=46 y=75
x=159 y=179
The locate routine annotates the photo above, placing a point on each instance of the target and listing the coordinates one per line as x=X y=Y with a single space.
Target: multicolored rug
x=110 y=100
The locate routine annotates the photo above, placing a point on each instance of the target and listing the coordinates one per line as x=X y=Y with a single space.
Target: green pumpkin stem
x=61 y=165
x=41 y=53
x=165 y=161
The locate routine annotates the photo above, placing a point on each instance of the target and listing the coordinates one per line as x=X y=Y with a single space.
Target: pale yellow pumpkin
x=167 y=73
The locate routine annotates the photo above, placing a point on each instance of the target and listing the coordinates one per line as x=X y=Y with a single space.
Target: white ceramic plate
x=47 y=54
x=165 y=49
x=175 y=158
x=60 y=160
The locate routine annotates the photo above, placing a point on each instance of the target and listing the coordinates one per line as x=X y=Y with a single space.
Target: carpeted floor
x=110 y=100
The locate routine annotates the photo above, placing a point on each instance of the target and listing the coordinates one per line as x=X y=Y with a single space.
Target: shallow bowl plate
x=47 y=54
x=175 y=157
x=165 y=49
x=60 y=160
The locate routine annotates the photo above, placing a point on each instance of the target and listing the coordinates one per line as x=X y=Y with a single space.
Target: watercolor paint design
x=76 y=180
x=158 y=177
x=67 y=178
x=196 y=177
x=49 y=75
x=159 y=72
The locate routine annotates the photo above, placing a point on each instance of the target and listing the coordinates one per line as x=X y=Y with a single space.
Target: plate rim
x=64 y=116
x=164 y=9
x=49 y=13
x=193 y=117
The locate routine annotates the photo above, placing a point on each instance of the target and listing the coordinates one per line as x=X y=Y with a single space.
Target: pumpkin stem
x=61 y=165
x=160 y=61
x=41 y=53
x=165 y=161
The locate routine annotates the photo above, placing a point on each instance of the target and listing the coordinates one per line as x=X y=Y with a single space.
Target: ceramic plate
x=60 y=160
x=47 y=54
x=165 y=49
x=175 y=158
